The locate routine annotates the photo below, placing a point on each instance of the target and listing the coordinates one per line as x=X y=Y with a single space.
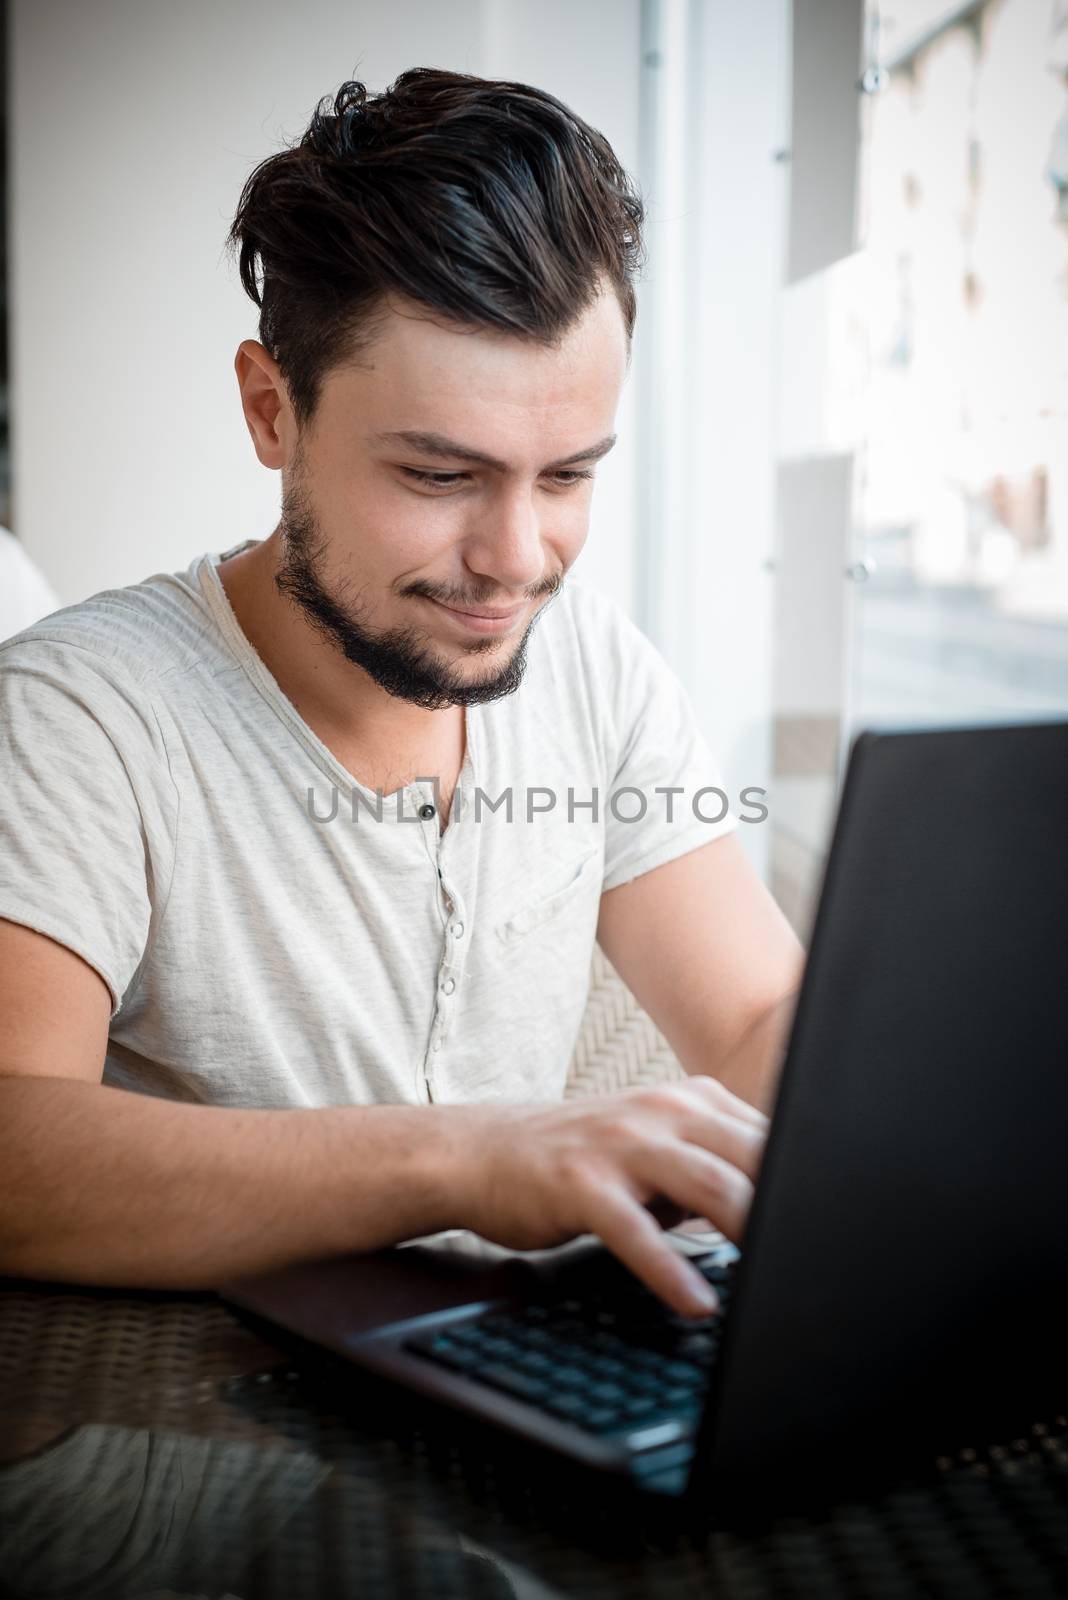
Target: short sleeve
x=667 y=794
x=88 y=810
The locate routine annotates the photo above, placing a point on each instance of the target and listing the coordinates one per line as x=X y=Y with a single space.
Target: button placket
x=450 y=968
x=423 y=799
x=452 y=851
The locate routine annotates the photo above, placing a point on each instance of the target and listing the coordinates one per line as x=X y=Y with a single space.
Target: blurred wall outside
x=923 y=410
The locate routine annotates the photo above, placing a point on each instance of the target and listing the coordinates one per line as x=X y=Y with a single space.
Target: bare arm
x=98 y=1185
x=705 y=949
x=102 y=1186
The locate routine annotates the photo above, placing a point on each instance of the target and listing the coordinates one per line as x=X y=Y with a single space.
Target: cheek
x=567 y=529
x=390 y=530
x=419 y=532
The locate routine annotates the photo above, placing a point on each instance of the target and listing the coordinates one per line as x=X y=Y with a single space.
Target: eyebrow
x=445 y=449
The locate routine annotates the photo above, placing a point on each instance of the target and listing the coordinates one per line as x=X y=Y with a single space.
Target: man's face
x=448 y=474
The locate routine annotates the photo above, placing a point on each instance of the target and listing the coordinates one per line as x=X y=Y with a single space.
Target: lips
x=489 y=616
x=487 y=620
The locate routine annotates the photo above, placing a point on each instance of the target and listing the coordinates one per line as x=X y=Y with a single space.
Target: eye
x=435 y=480
x=569 y=479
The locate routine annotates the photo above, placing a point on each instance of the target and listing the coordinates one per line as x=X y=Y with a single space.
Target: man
x=282 y=971
x=24 y=594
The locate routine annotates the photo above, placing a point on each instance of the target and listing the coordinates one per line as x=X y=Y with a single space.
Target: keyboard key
x=517 y=1383
x=571 y=1378
x=609 y=1394
x=609 y=1344
x=536 y=1363
x=466 y=1333
x=602 y=1419
x=683 y=1372
x=680 y=1401
x=643 y=1382
x=570 y=1406
x=609 y=1368
x=496 y=1349
x=449 y=1353
x=567 y=1327
x=646 y=1360
x=639 y=1405
x=699 y=1347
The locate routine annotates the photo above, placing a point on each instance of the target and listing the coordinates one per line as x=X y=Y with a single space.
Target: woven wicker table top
x=154 y=1446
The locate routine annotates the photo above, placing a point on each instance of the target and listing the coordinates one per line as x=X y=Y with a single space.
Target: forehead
x=486 y=387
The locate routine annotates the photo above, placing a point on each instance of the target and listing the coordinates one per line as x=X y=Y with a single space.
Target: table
x=154 y=1446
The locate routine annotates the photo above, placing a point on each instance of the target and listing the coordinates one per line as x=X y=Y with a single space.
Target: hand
x=533 y=1177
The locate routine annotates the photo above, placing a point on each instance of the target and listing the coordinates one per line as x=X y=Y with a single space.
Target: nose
x=505 y=547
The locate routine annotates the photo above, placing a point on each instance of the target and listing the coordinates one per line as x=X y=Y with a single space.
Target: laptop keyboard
x=610 y=1365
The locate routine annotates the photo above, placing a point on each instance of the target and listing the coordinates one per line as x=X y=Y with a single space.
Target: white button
x=436 y=1045
x=457 y=930
x=448 y=986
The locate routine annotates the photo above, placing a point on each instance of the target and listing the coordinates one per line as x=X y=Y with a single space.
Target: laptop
x=897 y=1293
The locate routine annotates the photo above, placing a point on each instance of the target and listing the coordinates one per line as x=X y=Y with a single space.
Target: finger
x=629 y=1231
x=698 y=1179
x=709 y=1088
x=739 y=1142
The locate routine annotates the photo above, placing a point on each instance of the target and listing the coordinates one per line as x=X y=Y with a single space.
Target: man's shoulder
x=589 y=642
x=585 y=619
x=129 y=636
x=581 y=683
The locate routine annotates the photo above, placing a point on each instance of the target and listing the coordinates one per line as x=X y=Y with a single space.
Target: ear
x=265 y=402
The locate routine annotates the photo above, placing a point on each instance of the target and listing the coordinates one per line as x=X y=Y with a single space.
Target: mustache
x=480 y=597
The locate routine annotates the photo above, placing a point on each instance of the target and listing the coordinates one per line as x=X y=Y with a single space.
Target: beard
x=402 y=661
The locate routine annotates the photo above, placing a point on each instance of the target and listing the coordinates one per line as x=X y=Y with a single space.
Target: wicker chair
x=618 y=1044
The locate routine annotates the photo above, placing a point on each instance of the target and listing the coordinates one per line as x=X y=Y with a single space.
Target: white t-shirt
x=24 y=594
x=161 y=814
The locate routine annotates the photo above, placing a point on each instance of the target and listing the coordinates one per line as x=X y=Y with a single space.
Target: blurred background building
x=840 y=495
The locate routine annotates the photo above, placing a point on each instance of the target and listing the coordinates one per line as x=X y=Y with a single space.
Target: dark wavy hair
x=488 y=203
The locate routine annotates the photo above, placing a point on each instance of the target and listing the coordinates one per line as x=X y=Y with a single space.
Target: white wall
x=717 y=203
x=744 y=57
x=133 y=124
